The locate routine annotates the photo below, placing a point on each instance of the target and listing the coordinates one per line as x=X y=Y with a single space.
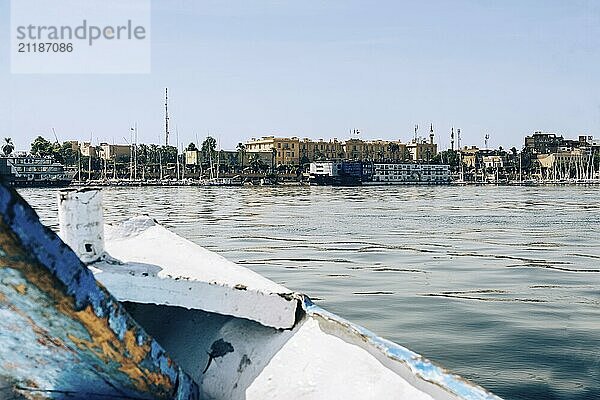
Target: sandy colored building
x=421 y=150
x=287 y=150
x=292 y=151
x=87 y=150
x=193 y=157
x=494 y=162
x=469 y=155
x=74 y=144
x=115 y=151
x=321 y=150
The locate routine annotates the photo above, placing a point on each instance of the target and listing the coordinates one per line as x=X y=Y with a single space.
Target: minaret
x=458 y=137
x=452 y=139
x=166 y=116
x=431 y=134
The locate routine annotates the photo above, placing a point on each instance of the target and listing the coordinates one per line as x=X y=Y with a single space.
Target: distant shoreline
x=306 y=184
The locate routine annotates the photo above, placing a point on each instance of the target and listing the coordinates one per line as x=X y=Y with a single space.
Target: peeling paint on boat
x=64 y=335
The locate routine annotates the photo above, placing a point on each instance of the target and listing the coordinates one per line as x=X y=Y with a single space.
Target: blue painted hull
x=62 y=334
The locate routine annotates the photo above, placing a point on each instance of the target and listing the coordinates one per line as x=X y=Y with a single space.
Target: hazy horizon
x=319 y=69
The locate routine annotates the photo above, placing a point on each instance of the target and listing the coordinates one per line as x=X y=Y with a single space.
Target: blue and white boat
x=214 y=329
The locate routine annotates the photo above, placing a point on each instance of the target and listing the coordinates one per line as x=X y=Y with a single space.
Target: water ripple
x=500 y=284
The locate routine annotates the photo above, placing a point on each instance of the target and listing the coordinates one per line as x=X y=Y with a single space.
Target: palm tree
x=153 y=157
x=8 y=146
x=406 y=155
x=273 y=157
x=255 y=162
x=394 y=148
x=191 y=147
x=241 y=150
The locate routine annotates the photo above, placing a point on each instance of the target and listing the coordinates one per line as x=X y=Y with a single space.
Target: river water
x=499 y=284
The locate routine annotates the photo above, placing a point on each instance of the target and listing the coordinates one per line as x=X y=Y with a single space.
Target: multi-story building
x=493 y=161
x=88 y=150
x=421 y=150
x=74 y=145
x=311 y=150
x=470 y=156
x=115 y=151
x=543 y=143
x=375 y=150
x=354 y=149
x=585 y=140
x=222 y=157
x=295 y=151
x=285 y=151
x=193 y=157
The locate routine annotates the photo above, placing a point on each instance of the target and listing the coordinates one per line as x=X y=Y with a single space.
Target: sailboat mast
x=135 y=153
x=79 y=163
x=131 y=154
x=521 y=166
x=90 y=158
x=177 y=150
x=182 y=162
x=160 y=163
x=166 y=116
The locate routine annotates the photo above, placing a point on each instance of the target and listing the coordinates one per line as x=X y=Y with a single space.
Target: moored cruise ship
x=377 y=173
x=398 y=174
x=23 y=171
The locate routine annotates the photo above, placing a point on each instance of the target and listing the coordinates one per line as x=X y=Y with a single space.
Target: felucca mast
x=166 y=116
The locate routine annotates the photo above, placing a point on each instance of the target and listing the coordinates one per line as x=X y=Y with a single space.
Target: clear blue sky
x=241 y=69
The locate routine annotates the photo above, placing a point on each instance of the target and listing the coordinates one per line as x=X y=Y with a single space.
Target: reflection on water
x=501 y=285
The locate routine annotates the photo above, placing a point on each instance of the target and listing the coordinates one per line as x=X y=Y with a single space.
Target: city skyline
x=457 y=143
x=240 y=70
